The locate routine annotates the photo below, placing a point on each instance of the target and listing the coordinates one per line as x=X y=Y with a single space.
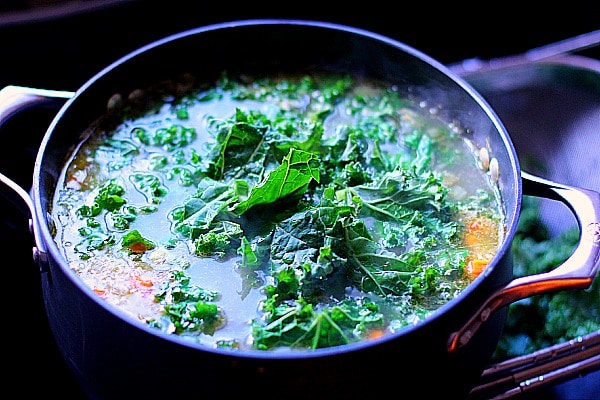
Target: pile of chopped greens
x=313 y=196
x=540 y=321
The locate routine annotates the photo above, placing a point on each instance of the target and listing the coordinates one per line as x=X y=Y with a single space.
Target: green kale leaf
x=297 y=170
x=297 y=324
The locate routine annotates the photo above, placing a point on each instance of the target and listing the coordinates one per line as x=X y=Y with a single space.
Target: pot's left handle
x=577 y=272
x=15 y=100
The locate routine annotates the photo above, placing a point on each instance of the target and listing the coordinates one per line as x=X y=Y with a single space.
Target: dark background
x=60 y=45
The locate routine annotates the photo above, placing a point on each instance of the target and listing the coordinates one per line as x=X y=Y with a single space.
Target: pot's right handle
x=13 y=101
x=577 y=272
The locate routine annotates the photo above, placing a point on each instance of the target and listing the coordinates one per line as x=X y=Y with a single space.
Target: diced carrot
x=144 y=282
x=470 y=239
x=476 y=225
x=100 y=292
x=476 y=267
x=375 y=333
x=138 y=248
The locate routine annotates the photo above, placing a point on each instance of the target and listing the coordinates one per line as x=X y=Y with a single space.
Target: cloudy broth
x=295 y=212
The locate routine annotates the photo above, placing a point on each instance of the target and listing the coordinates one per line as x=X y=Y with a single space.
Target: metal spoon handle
x=556 y=49
x=554 y=364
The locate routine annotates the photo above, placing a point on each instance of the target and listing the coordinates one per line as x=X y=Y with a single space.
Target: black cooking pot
x=114 y=356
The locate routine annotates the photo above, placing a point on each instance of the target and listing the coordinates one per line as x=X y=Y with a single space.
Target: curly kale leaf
x=215 y=202
x=240 y=148
x=188 y=308
x=150 y=186
x=171 y=138
x=297 y=170
x=201 y=212
x=220 y=241
x=331 y=249
x=410 y=210
x=297 y=324
x=397 y=194
x=302 y=241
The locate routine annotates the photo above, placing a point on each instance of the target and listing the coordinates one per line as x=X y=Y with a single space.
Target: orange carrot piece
x=476 y=267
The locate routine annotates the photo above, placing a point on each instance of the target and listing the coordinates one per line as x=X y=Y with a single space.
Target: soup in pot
x=273 y=213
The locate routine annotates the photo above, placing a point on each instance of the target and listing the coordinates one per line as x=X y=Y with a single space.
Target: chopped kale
x=330 y=195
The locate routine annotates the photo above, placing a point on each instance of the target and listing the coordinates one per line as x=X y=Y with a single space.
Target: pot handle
x=14 y=100
x=577 y=272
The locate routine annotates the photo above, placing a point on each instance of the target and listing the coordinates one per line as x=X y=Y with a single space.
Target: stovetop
x=63 y=49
